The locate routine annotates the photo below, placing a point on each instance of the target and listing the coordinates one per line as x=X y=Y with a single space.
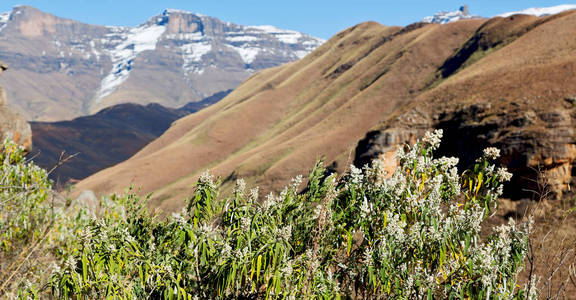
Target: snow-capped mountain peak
x=193 y=35
x=541 y=11
x=448 y=17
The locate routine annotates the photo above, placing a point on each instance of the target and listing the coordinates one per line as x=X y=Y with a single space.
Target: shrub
x=414 y=234
x=24 y=188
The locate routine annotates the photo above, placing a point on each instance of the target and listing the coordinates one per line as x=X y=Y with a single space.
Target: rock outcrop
x=538 y=145
x=12 y=125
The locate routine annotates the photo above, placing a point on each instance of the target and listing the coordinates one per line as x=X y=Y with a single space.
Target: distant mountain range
x=61 y=68
x=104 y=139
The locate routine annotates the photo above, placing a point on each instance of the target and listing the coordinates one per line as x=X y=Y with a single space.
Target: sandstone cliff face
x=12 y=125
x=538 y=145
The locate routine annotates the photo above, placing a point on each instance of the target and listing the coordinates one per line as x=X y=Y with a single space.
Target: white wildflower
x=226 y=251
x=503 y=175
x=240 y=187
x=295 y=183
x=269 y=202
x=70 y=263
x=365 y=208
x=285 y=233
x=207 y=179
x=254 y=194
x=245 y=223
x=491 y=153
x=447 y=162
x=433 y=139
x=367 y=257
x=356 y=175
x=288 y=269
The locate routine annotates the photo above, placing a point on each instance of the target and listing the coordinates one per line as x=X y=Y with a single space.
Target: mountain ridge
x=173 y=58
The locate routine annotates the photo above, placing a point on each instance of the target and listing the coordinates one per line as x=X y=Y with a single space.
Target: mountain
x=104 y=139
x=172 y=59
x=503 y=80
x=281 y=120
x=448 y=17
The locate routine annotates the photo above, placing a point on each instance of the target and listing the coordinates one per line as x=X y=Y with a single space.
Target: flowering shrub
x=36 y=228
x=414 y=234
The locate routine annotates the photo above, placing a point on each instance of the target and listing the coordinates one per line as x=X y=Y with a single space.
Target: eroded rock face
x=538 y=145
x=12 y=125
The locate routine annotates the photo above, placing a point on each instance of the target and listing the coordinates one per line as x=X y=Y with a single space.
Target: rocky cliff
x=12 y=124
x=63 y=68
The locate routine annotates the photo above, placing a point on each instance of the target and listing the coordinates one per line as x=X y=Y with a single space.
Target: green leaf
x=258 y=266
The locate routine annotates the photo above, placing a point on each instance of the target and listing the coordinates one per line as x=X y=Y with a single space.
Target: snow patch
x=4 y=18
x=192 y=55
x=136 y=40
x=242 y=38
x=246 y=52
x=194 y=36
x=283 y=35
x=301 y=53
x=541 y=11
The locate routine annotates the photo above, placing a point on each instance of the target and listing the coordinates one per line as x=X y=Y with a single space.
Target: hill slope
x=172 y=59
x=368 y=77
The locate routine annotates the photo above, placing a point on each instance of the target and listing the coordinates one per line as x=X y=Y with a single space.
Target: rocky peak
x=444 y=17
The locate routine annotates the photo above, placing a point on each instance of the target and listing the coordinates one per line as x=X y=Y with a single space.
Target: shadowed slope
x=106 y=138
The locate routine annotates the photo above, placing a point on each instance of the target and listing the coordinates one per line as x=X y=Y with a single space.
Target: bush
x=24 y=188
x=414 y=234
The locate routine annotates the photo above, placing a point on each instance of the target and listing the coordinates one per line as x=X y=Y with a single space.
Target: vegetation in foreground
x=413 y=234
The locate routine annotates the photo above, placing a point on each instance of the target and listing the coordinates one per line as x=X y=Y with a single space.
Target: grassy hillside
x=279 y=121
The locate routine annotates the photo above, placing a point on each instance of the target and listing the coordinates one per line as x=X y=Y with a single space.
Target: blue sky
x=316 y=17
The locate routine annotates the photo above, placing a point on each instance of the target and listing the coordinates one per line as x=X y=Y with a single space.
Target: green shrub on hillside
x=414 y=234
x=23 y=190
